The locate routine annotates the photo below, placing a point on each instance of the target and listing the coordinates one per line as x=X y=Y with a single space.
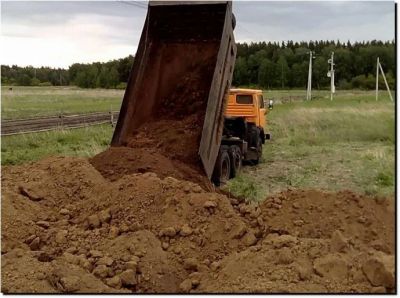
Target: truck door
x=261 y=111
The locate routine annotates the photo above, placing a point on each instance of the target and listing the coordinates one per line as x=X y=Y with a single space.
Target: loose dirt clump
x=175 y=139
x=149 y=233
x=116 y=162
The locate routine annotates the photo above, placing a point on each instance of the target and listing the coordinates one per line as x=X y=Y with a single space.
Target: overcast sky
x=58 y=34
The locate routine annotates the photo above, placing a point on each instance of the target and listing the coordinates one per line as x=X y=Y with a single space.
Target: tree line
x=285 y=65
x=31 y=76
x=111 y=74
x=264 y=65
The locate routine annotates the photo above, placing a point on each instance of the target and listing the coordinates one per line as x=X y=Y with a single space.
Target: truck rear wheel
x=236 y=160
x=222 y=170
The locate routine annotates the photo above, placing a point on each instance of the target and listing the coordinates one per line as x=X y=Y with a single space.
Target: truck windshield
x=261 y=101
x=244 y=99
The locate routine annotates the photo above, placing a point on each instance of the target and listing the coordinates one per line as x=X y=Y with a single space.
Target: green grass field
x=27 y=102
x=347 y=143
x=88 y=141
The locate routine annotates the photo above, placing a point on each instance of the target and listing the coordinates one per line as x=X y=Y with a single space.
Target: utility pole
x=377 y=79
x=331 y=74
x=309 y=76
x=379 y=67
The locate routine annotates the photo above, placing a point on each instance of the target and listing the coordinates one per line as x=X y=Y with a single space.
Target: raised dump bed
x=175 y=97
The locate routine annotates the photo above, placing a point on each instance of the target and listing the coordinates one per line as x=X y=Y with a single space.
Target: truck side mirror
x=271 y=104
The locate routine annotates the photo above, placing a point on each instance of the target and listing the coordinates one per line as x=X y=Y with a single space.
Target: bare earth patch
x=67 y=229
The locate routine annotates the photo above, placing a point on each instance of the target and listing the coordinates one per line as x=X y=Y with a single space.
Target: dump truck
x=243 y=134
x=183 y=66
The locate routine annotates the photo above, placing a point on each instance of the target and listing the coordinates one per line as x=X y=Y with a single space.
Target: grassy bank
x=347 y=143
x=344 y=144
x=87 y=141
x=26 y=102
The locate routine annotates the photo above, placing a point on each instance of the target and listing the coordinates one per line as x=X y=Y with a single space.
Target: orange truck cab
x=247 y=103
x=244 y=133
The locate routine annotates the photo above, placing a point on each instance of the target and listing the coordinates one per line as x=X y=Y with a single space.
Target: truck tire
x=255 y=141
x=259 y=151
x=236 y=160
x=222 y=169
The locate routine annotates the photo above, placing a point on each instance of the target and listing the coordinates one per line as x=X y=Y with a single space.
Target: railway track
x=20 y=126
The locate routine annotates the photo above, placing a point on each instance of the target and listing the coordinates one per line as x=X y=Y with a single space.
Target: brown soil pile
x=116 y=162
x=314 y=242
x=175 y=139
x=65 y=228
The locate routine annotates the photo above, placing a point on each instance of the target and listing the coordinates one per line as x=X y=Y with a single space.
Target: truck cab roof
x=246 y=91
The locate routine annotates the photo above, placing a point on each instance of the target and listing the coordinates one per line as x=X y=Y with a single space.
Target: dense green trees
x=264 y=65
x=101 y=75
x=285 y=65
x=94 y=75
x=30 y=76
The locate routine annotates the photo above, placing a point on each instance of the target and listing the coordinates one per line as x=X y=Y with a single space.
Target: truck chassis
x=241 y=143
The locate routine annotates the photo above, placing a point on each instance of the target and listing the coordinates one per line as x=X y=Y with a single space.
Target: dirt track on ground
x=66 y=228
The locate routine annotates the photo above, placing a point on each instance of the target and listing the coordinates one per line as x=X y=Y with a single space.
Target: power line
x=135 y=3
x=140 y=4
x=251 y=33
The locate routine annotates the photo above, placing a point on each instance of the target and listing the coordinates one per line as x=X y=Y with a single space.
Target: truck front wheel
x=222 y=170
x=259 y=150
x=236 y=160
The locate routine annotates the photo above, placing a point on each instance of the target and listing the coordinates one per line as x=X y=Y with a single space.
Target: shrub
x=122 y=86
x=363 y=82
x=35 y=82
x=344 y=85
x=45 y=84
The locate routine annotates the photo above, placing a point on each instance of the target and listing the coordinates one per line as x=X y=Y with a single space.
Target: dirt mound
x=116 y=162
x=65 y=228
x=313 y=214
x=314 y=242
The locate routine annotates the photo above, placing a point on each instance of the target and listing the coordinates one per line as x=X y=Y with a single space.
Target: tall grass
x=244 y=186
x=347 y=143
x=86 y=142
x=312 y=125
x=23 y=102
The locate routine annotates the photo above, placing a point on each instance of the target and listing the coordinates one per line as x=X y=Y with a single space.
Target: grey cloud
x=307 y=20
x=120 y=23
x=59 y=11
x=256 y=20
